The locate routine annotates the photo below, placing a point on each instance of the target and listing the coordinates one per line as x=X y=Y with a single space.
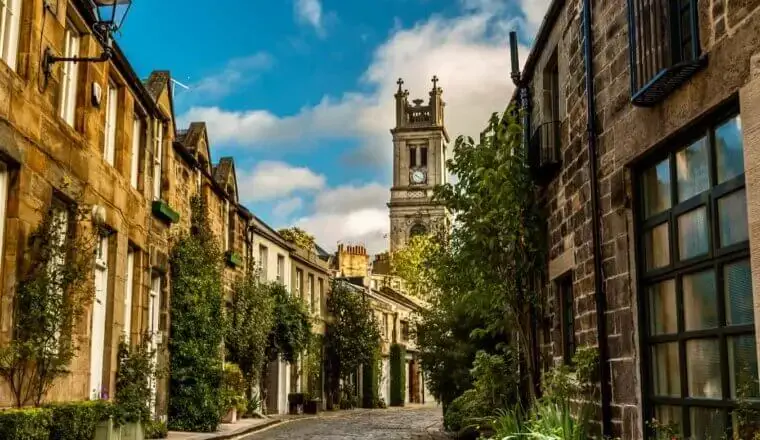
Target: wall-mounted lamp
x=109 y=17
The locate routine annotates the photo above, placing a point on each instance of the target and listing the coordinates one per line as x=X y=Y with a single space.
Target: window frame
x=264 y=261
x=69 y=87
x=715 y=259
x=566 y=297
x=412 y=156
x=158 y=157
x=138 y=130
x=111 y=121
x=10 y=32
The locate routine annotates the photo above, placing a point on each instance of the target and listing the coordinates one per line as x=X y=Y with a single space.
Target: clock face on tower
x=418 y=176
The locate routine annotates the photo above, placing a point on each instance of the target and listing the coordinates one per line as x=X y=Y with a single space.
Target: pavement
x=413 y=422
x=416 y=422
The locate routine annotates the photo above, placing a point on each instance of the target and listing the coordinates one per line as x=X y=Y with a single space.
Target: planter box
x=231 y=416
x=107 y=431
x=132 y=431
x=312 y=406
x=233 y=259
x=295 y=403
x=165 y=212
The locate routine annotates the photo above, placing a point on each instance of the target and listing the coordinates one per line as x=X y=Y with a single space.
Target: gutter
x=600 y=294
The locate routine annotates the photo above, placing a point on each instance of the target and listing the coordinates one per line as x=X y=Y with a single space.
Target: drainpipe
x=600 y=294
x=524 y=105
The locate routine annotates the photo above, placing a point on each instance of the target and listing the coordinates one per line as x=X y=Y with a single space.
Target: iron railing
x=544 y=150
x=664 y=47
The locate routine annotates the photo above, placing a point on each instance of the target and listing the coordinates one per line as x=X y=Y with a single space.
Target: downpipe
x=600 y=294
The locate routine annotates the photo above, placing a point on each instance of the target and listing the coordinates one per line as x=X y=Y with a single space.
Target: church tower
x=419 y=164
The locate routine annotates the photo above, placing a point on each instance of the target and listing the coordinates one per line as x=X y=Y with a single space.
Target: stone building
x=419 y=158
x=643 y=122
x=92 y=129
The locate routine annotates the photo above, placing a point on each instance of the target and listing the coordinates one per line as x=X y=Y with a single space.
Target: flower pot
x=107 y=430
x=231 y=416
x=295 y=403
x=312 y=406
x=132 y=431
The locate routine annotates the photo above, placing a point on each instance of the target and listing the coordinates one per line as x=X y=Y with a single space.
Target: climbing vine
x=53 y=291
x=299 y=237
x=196 y=333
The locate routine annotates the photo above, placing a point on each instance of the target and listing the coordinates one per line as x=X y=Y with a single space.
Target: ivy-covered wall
x=398 y=374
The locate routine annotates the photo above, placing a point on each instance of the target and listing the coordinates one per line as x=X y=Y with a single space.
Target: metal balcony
x=544 y=154
x=664 y=47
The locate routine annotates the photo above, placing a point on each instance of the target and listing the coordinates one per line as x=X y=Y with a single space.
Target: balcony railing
x=664 y=45
x=545 y=152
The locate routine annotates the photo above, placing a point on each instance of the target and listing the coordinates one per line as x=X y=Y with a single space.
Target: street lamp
x=109 y=17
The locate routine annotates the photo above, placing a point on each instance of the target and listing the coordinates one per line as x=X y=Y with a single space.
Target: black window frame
x=566 y=299
x=716 y=259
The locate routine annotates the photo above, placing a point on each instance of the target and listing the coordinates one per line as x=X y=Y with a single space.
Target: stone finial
x=435 y=82
x=400 y=83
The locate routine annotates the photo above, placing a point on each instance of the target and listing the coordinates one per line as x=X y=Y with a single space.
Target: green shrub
x=398 y=375
x=370 y=381
x=348 y=398
x=197 y=327
x=25 y=424
x=133 y=380
x=78 y=420
x=233 y=388
x=464 y=415
x=155 y=429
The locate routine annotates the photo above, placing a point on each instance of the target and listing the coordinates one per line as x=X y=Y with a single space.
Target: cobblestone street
x=420 y=423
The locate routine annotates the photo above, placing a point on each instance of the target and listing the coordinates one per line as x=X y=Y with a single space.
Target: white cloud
x=364 y=226
x=236 y=72
x=349 y=198
x=271 y=180
x=288 y=206
x=469 y=54
x=310 y=12
x=534 y=11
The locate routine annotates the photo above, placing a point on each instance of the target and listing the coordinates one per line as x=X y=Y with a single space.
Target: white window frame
x=112 y=108
x=70 y=78
x=128 y=293
x=10 y=30
x=134 y=173
x=158 y=152
x=263 y=261
x=226 y=221
x=321 y=294
x=281 y=268
x=310 y=293
x=299 y=283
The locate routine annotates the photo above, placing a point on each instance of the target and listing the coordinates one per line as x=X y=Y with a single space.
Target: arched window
x=417 y=229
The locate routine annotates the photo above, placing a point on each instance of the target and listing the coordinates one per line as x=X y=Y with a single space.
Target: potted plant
x=295 y=403
x=233 y=392
x=311 y=404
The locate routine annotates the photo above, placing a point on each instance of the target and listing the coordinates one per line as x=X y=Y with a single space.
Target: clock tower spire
x=419 y=157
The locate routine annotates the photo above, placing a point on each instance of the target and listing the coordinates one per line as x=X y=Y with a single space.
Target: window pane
x=729 y=150
x=692 y=170
x=658 y=247
x=707 y=424
x=700 y=303
x=703 y=366
x=732 y=211
x=670 y=417
x=662 y=308
x=692 y=234
x=656 y=181
x=738 y=287
x=742 y=361
x=666 y=377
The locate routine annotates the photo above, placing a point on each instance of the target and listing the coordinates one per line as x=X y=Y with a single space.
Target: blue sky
x=300 y=92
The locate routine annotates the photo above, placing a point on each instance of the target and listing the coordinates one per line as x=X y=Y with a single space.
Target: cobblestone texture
x=421 y=423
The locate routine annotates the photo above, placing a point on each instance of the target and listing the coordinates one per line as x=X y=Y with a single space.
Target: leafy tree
x=351 y=334
x=412 y=264
x=298 y=236
x=197 y=329
x=249 y=325
x=290 y=335
x=53 y=291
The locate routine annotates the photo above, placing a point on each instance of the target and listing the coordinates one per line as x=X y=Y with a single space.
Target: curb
x=242 y=433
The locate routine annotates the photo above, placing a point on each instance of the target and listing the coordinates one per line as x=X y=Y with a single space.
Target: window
x=128 y=289
x=567 y=317
x=545 y=148
x=423 y=156
x=4 y=185
x=112 y=106
x=263 y=261
x=281 y=268
x=412 y=157
x=158 y=157
x=10 y=23
x=231 y=213
x=404 y=331
x=70 y=75
x=386 y=324
x=299 y=283
x=134 y=169
x=321 y=294
x=699 y=349
x=417 y=230
x=665 y=47
x=311 y=293
x=225 y=219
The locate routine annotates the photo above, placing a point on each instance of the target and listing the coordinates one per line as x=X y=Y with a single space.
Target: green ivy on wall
x=196 y=333
x=370 y=381
x=398 y=375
